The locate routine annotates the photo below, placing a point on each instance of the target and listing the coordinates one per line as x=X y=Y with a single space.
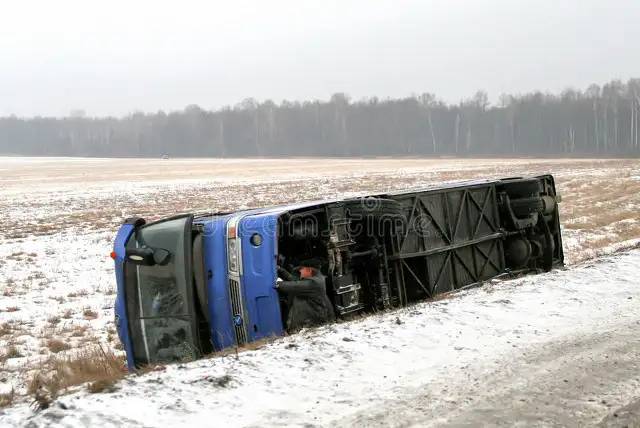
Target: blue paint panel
x=120 y=307
x=215 y=256
x=261 y=300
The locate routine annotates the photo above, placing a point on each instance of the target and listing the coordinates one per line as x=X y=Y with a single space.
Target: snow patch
x=330 y=375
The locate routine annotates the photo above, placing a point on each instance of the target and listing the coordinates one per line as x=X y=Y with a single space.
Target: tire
x=523 y=188
x=525 y=206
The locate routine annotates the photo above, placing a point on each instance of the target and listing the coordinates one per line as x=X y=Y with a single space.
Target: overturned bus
x=192 y=284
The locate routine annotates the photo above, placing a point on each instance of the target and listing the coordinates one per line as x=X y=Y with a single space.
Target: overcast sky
x=115 y=57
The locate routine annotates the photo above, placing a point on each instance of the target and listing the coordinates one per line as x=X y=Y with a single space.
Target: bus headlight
x=232 y=254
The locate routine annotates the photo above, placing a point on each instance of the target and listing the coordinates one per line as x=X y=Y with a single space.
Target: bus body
x=193 y=284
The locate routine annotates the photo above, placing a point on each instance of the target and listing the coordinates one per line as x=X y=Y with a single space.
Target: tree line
x=600 y=120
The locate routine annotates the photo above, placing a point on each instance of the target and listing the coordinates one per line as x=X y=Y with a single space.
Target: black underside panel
x=451 y=239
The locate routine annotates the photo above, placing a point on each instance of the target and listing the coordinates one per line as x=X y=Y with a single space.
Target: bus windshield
x=160 y=296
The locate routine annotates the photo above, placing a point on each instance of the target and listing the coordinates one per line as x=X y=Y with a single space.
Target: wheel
x=525 y=206
x=522 y=188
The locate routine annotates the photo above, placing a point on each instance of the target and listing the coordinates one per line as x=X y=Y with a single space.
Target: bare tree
x=428 y=100
x=574 y=122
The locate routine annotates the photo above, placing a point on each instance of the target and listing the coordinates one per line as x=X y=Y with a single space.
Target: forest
x=599 y=120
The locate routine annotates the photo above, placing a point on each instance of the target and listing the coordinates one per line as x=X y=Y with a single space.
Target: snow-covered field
x=58 y=217
x=567 y=342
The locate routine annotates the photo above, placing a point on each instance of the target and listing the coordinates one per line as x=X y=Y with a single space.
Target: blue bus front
x=188 y=285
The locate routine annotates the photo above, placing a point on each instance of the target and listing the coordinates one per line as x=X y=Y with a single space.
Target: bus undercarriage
x=389 y=250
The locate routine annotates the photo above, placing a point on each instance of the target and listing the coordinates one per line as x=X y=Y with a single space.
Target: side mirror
x=161 y=256
x=147 y=256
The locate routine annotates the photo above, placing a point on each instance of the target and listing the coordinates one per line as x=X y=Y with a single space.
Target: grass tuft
x=11 y=352
x=89 y=314
x=7 y=399
x=57 y=345
x=98 y=367
x=5 y=329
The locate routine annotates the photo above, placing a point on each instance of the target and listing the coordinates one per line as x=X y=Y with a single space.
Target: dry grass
x=18 y=255
x=57 y=345
x=54 y=320
x=600 y=200
x=89 y=314
x=624 y=234
x=235 y=351
x=7 y=399
x=12 y=309
x=67 y=314
x=36 y=275
x=79 y=330
x=98 y=367
x=604 y=218
x=102 y=385
x=107 y=291
x=602 y=206
x=5 y=329
x=78 y=293
x=11 y=352
x=111 y=335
